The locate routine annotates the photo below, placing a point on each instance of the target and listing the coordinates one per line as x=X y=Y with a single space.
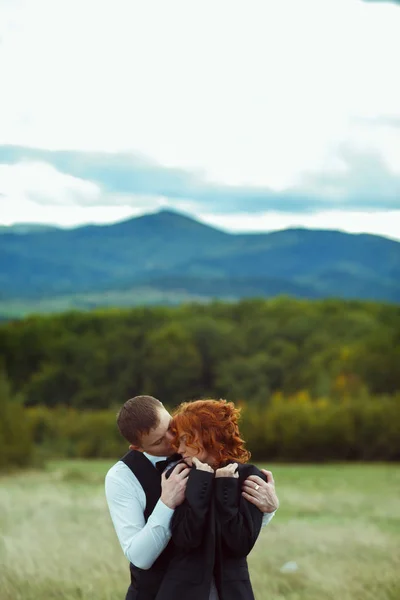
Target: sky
x=250 y=116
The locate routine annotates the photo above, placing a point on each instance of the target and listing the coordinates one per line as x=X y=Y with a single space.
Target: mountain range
x=168 y=257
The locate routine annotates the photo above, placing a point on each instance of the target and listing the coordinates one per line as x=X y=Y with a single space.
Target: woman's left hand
x=228 y=471
x=202 y=466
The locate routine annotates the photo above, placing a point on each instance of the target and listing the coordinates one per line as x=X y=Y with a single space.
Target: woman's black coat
x=213 y=531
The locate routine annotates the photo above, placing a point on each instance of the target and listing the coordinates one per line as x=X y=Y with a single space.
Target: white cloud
x=253 y=93
x=42 y=182
x=36 y=192
x=28 y=211
x=350 y=175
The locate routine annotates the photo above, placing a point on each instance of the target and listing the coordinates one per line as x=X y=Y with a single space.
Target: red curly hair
x=213 y=425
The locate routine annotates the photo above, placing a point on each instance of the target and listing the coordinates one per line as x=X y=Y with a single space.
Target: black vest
x=145 y=583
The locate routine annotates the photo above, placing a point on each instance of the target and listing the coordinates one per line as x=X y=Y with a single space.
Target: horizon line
x=193 y=218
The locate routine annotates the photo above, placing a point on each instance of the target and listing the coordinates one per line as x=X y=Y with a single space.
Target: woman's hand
x=228 y=471
x=202 y=466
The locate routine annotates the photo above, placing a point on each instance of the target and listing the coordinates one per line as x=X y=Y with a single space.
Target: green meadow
x=338 y=528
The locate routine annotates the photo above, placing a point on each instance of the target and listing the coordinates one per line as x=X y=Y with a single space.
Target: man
x=142 y=499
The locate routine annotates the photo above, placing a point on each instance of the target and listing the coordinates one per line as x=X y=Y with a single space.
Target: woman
x=215 y=528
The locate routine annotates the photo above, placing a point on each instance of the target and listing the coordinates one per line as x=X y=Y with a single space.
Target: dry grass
x=339 y=523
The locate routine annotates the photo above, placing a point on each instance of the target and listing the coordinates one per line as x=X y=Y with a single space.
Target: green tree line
x=316 y=379
x=243 y=351
x=287 y=429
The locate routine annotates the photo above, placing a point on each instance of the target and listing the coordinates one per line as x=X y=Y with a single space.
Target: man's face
x=158 y=441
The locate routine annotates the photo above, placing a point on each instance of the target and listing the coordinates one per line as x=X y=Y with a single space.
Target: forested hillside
x=169 y=258
x=244 y=351
x=316 y=380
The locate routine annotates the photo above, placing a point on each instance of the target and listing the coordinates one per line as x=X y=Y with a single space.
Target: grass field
x=340 y=524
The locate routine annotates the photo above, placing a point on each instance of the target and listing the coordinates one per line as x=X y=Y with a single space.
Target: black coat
x=213 y=531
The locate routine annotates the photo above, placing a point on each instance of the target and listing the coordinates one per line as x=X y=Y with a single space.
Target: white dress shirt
x=141 y=542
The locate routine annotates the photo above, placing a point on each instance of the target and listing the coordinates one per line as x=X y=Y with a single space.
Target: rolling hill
x=168 y=257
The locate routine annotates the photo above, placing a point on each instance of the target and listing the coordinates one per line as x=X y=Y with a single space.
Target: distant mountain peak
x=167 y=217
x=173 y=252
x=171 y=212
x=168 y=213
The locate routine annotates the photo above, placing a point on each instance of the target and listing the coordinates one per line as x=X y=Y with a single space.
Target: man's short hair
x=137 y=417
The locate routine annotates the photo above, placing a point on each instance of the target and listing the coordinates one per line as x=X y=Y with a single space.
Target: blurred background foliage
x=317 y=380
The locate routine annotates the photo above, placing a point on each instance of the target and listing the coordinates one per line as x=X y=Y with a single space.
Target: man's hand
x=202 y=466
x=261 y=493
x=228 y=471
x=173 y=488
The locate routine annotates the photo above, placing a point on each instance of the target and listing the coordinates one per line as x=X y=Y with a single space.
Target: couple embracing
x=186 y=504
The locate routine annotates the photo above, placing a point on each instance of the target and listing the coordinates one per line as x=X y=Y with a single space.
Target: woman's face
x=188 y=453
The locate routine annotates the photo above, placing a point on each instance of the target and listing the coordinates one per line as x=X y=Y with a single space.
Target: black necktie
x=161 y=465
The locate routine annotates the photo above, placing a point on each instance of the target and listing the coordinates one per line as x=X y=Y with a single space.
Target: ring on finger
x=256 y=487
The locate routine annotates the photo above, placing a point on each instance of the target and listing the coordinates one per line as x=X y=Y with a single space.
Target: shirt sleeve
x=267 y=518
x=141 y=542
